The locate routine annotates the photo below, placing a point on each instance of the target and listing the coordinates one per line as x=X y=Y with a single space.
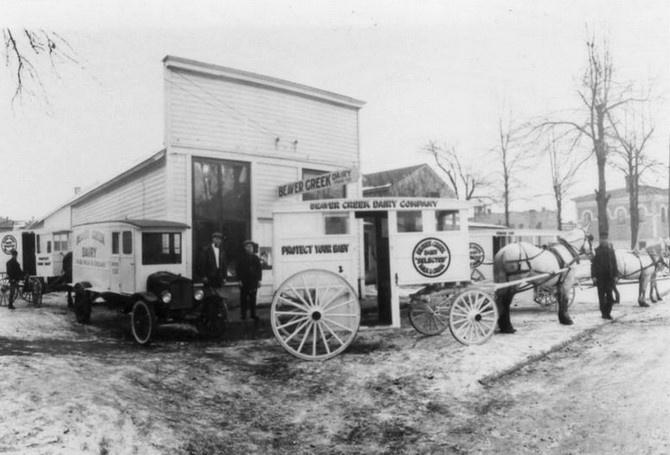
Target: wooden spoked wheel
x=473 y=317
x=315 y=314
x=430 y=316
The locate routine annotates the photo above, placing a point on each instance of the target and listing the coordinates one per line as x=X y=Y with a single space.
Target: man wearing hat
x=14 y=273
x=603 y=273
x=212 y=264
x=249 y=273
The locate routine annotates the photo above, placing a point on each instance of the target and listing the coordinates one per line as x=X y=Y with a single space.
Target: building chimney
x=77 y=190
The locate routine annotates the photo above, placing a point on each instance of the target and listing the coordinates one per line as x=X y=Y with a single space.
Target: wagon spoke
x=333 y=333
x=304 y=337
x=290 y=313
x=332 y=299
x=323 y=337
x=307 y=290
x=297 y=294
x=292 y=322
x=292 y=303
x=314 y=339
x=343 y=327
x=346 y=302
x=297 y=331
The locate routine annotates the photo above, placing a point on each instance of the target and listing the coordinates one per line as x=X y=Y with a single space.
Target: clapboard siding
x=143 y=196
x=179 y=190
x=266 y=179
x=215 y=113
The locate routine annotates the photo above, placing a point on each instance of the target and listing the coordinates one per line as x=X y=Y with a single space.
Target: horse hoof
x=509 y=330
x=644 y=304
x=565 y=321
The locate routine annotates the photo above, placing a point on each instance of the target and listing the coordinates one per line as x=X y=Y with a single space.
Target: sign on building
x=318 y=182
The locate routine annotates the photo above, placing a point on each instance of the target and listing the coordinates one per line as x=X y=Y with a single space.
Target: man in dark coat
x=603 y=273
x=14 y=273
x=249 y=273
x=212 y=264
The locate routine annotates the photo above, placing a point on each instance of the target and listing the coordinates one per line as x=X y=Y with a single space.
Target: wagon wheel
x=143 y=322
x=82 y=305
x=212 y=322
x=431 y=316
x=473 y=317
x=315 y=314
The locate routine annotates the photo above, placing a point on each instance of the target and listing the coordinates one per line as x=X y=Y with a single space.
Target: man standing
x=212 y=265
x=603 y=273
x=249 y=273
x=14 y=273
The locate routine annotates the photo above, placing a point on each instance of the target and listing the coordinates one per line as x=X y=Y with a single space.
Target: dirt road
x=607 y=394
x=71 y=389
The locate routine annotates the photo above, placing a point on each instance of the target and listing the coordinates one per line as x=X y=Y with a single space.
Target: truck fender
x=146 y=296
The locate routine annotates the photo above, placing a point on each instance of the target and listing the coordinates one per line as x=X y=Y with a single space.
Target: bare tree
x=463 y=180
x=513 y=157
x=564 y=168
x=601 y=97
x=632 y=159
x=26 y=53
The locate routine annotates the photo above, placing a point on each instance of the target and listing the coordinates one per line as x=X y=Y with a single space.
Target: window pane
x=333 y=192
x=337 y=224
x=410 y=221
x=115 y=243
x=161 y=248
x=447 y=220
x=127 y=242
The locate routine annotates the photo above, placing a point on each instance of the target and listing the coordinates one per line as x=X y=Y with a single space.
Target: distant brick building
x=653 y=215
x=413 y=181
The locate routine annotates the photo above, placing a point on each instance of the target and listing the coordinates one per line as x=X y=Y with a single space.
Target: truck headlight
x=199 y=294
x=166 y=296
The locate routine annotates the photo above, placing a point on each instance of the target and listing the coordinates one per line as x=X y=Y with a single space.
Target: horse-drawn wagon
x=326 y=254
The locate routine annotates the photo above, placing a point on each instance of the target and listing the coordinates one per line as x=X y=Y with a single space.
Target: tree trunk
x=634 y=207
x=602 y=198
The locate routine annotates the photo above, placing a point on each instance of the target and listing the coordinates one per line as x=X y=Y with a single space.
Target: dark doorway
x=28 y=252
x=378 y=268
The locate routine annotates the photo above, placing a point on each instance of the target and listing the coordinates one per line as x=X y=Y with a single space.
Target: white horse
x=642 y=265
x=523 y=261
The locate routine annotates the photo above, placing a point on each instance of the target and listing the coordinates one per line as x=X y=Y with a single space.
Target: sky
x=443 y=71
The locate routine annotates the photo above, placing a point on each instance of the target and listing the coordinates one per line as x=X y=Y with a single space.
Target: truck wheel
x=143 y=322
x=82 y=305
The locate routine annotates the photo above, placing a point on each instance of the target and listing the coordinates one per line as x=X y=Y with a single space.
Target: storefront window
x=333 y=192
x=221 y=203
x=61 y=242
x=410 y=221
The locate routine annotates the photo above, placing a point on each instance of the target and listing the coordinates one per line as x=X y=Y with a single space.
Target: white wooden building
x=231 y=139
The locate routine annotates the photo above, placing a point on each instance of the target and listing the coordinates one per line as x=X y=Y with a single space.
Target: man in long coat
x=14 y=273
x=212 y=264
x=603 y=273
x=249 y=273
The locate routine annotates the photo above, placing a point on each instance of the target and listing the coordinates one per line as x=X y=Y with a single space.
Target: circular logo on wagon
x=431 y=257
x=476 y=255
x=8 y=244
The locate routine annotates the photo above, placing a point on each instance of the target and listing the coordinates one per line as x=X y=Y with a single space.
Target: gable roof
x=387 y=178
